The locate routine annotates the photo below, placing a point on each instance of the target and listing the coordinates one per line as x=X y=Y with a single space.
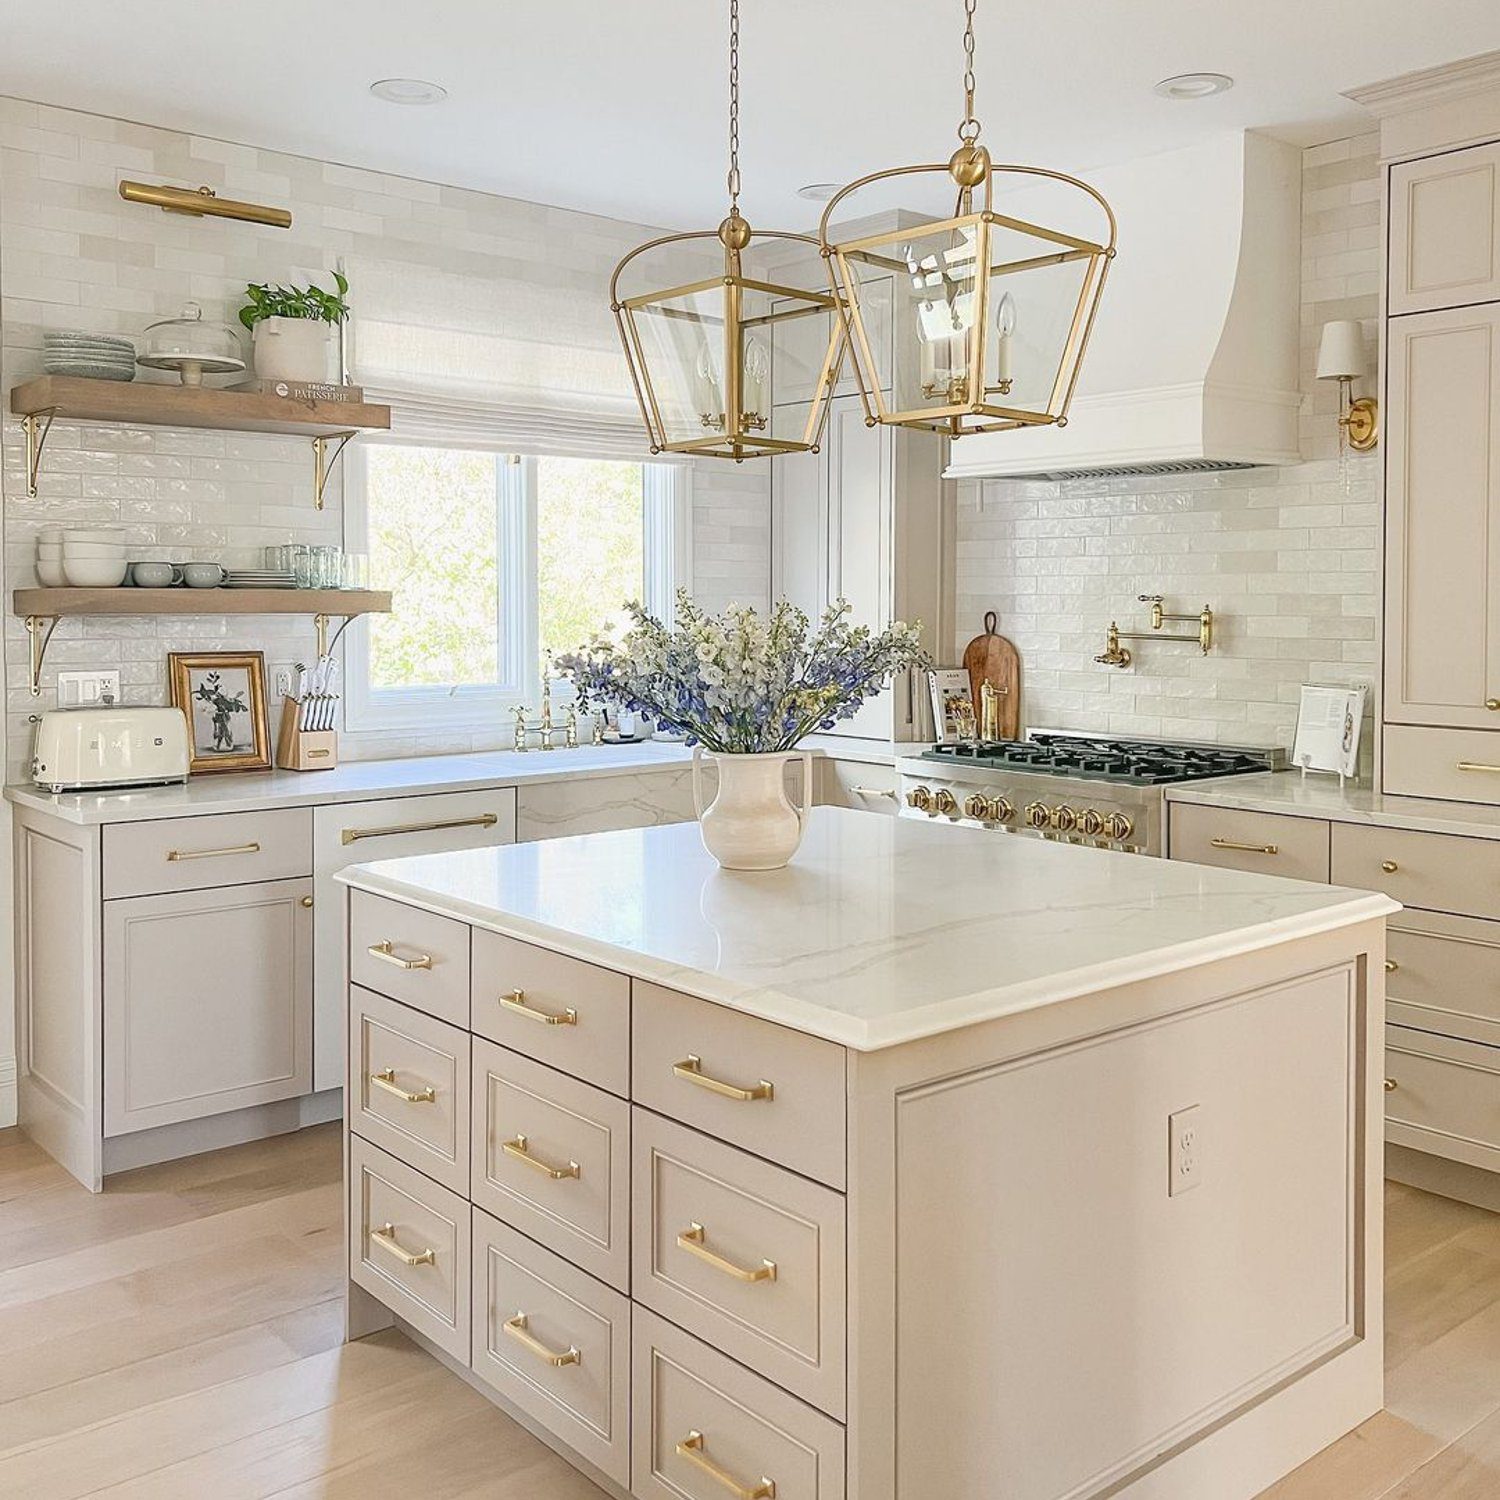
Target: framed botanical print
x=223 y=694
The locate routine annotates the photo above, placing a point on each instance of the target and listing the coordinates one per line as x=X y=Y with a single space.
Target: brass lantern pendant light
x=738 y=309
x=976 y=318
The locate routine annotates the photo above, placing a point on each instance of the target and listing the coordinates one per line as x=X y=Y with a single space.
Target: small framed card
x=1329 y=721
x=952 y=704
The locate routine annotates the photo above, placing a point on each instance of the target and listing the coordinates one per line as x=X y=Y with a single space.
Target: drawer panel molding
x=1431 y=871
x=187 y=854
x=1264 y=843
x=413 y=956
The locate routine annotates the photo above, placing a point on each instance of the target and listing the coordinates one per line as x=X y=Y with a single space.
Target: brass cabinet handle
x=386 y=1079
x=175 y=856
x=353 y=835
x=1475 y=765
x=1493 y=704
x=1391 y=966
x=1244 y=848
x=873 y=791
x=691 y=1239
x=691 y=1068
x=521 y=1151
x=517 y=1329
x=1389 y=866
x=1391 y=1085
x=516 y=1002
x=307 y=901
x=691 y=1448
x=385 y=1237
x=386 y=953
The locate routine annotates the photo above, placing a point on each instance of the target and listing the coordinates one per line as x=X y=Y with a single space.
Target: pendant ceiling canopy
x=709 y=318
x=969 y=289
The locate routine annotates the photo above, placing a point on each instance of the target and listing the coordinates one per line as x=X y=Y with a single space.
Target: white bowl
x=94 y=551
x=50 y=574
x=51 y=533
x=52 y=550
x=94 y=573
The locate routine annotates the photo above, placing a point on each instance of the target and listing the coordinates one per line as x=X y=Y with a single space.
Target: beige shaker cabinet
x=1445 y=231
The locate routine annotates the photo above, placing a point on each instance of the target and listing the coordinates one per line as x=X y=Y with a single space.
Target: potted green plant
x=295 y=330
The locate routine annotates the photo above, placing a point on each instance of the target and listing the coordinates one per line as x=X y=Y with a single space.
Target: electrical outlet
x=1184 y=1150
x=283 y=679
x=87 y=689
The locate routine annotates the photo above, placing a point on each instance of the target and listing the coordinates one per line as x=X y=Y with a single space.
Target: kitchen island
x=935 y=1166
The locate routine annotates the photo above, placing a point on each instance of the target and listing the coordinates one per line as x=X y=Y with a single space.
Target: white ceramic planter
x=302 y=349
x=751 y=824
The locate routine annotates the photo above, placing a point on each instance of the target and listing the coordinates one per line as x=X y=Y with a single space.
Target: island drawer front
x=189 y=854
x=704 y=1427
x=1267 y=843
x=567 y=1315
x=396 y=1052
x=1433 y=871
x=552 y=1124
x=397 y=1215
x=411 y=955
x=1446 y=975
x=559 y=1010
x=743 y=1254
x=1446 y=1098
x=1461 y=765
x=681 y=1048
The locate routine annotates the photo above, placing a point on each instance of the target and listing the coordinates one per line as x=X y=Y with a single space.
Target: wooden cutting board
x=992 y=658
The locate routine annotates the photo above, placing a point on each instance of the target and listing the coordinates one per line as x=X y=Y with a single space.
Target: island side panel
x=1033 y=1237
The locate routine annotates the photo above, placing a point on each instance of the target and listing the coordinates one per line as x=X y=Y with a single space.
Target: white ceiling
x=617 y=106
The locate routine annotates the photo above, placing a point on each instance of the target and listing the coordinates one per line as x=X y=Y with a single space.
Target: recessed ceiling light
x=819 y=192
x=1194 y=85
x=408 y=91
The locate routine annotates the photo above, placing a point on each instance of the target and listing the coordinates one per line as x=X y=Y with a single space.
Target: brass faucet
x=1115 y=655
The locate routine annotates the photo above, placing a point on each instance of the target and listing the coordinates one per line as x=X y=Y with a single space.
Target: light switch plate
x=87 y=689
x=1184 y=1150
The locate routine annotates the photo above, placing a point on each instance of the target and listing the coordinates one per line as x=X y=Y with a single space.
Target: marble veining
x=882 y=930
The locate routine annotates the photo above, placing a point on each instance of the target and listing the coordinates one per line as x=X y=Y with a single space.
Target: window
x=497 y=562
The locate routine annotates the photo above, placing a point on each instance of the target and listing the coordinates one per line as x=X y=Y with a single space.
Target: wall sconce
x=204 y=203
x=1341 y=357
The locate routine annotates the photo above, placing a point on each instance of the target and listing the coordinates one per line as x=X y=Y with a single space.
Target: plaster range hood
x=1193 y=364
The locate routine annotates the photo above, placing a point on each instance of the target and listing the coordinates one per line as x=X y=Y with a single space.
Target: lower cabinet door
x=703 y=1426
x=409 y=1246
x=555 y=1342
x=207 y=1002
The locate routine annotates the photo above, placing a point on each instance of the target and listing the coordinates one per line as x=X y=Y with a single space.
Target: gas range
x=1073 y=788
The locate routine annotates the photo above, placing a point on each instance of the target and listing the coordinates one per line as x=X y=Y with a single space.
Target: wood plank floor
x=178 y=1337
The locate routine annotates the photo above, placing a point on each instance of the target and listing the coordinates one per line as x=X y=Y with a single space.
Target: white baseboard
x=7 y=1091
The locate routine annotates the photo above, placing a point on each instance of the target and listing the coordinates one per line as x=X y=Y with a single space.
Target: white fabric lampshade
x=1341 y=354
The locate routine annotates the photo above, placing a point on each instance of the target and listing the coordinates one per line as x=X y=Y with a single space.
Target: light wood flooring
x=178 y=1338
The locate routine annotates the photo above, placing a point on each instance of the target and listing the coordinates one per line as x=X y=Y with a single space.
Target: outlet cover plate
x=1184 y=1150
x=87 y=689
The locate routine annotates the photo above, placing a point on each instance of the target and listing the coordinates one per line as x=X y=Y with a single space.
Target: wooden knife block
x=304 y=749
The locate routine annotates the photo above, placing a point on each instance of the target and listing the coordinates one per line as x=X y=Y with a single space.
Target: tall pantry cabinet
x=1442 y=417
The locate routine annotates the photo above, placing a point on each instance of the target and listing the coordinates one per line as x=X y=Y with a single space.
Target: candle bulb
x=1005 y=324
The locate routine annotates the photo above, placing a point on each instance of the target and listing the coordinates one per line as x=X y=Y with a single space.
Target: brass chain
x=968 y=130
x=734 y=106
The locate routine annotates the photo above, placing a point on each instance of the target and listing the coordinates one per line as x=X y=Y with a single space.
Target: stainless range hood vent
x=1137 y=471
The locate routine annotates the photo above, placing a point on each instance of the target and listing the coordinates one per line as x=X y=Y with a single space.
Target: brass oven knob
x=1064 y=819
x=1037 y=815
x=1001 y=809
x=943 y=801
x=1092 y=822
x=920 y=798
x=977 y=807
x=1118 y=827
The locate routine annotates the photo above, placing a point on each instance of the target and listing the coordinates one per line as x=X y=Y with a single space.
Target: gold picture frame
x=223 y=696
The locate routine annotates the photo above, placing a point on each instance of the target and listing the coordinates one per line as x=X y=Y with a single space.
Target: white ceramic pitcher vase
x=751 y=823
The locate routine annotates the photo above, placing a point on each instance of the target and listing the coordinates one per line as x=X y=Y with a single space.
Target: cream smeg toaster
x=78 y=749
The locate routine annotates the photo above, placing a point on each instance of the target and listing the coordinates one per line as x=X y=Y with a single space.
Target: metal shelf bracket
x=39 y=630
x=325 y=642
x=36 y=430
x=324 y=460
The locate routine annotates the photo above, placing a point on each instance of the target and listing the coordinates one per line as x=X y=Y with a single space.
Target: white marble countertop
x=1320 y=797
x=872 y=936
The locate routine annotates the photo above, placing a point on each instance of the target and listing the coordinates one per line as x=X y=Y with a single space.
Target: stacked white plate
x=91 y=356
x=260 y=578
x=82 y=557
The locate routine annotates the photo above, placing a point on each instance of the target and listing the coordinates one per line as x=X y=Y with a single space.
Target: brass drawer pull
x=1475 y=765
x=175 y=856
x=386 y=953
x=353 y=835
x=1493 y=704
x=519 y=1149
x=691 y=1068
x=1391 y=966
x=385 y=1237
x=516 y=1001
x=691 y=1239
x=1244 y=848
x=386 y=1079
x=873 y=791
x=1391 y=1085
x=1389 y=866
x=691 y=1448
x=517 y=1329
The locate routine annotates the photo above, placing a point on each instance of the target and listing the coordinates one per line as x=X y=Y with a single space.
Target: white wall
x=1288 y=558
x=74 y=255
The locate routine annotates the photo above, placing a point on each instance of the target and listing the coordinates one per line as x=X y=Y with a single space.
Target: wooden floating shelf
x=156 y=404
x=56 y=603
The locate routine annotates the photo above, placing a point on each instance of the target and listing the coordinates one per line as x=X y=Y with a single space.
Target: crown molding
x=1429 y=86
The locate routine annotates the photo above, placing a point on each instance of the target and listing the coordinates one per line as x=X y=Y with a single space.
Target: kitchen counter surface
x=1320 y=797
x=872 y=936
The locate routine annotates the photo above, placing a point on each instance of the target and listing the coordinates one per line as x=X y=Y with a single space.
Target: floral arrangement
x=742 y=683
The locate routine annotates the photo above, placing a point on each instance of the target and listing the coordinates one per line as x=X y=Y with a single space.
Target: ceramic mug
x=203 y=575
x=155 y=575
